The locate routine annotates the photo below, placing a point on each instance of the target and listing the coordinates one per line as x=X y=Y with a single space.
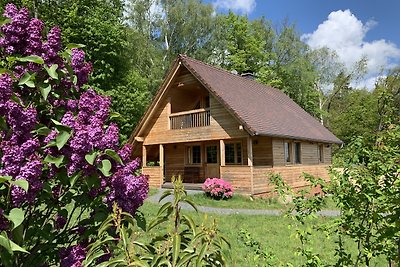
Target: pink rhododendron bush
x=63 y=174
x=217 y=188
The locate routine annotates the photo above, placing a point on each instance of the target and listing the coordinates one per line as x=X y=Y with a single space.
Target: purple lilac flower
x=60 y=221
x=31 y=172
x=126 y=189
x=5 y=87
x=81 y=68
x=125 y=152
x=4 y=223
x=15 y=33
x=52 y=47
x=111 y=137
x=72 y=256
x=34 y=41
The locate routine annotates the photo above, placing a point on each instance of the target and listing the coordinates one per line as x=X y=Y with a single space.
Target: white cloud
x=240 y=6
x=345 y=34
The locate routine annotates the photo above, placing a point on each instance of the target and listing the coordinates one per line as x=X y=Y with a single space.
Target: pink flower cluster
x=217 y=188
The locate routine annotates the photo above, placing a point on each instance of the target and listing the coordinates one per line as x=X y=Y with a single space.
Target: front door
x=212 y=162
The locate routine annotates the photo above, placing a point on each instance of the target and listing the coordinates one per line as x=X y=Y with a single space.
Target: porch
x=232 y=160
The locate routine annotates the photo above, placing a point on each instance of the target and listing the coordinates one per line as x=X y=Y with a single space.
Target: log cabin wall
x=238 y=176
x=309 y=152
x=262 y=151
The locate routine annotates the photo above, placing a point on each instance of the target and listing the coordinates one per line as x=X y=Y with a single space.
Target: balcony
x=190 y=119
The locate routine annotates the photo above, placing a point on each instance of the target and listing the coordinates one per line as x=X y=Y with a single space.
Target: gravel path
x=154 y=199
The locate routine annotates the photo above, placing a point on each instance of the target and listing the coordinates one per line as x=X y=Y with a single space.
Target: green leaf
x=16 y=216
x=201 y=254
x=90 y=158
x=114 y=155
x=5 y=21
x=52 y=71
x=42 y=131
x=176 y=248
x=105 y=167
x=140 y=220
x=72 y=46
x=45 y=91
x=62 y=138
x=5 y=242
x=33 y=58
x=24 y=79
x=5 y=178
x=9 y=245
x=21 y=183
x=56 y=161
x=30 y=84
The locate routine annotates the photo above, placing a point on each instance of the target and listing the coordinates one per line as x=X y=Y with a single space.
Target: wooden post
x=222 y=152
x=250 y=161
x=249 y=151
x=144 y=156
x=161 y=164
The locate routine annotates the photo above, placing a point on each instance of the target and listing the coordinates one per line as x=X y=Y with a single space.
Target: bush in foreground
x=62 y=170
x=217 y=188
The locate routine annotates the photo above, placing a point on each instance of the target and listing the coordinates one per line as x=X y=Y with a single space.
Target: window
x=321 y=153
x=233 y=153
x=212 y=154
x=288 y=149
x=297 y=153
x=193 y=154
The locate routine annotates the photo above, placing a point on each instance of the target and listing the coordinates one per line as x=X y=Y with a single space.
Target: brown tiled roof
x=263 y=110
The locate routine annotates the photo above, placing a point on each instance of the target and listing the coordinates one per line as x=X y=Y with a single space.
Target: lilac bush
x=62 y=168
x=217 y=188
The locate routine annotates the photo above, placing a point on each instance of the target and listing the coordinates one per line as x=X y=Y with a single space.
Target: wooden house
x=208 y=122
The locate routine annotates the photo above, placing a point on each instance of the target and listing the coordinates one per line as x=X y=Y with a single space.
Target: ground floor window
x=321 y=153
x=193 y=154
x=297 y=153
x=233 y=153
x=288 y=152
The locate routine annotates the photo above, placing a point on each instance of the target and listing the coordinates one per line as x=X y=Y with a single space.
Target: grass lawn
x=245 y=202
x=271 y=231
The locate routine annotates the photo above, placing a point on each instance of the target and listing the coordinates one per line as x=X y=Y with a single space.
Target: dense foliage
x=366 y=192
x=62 y=170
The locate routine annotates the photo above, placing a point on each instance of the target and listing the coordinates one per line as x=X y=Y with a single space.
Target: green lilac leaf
x=56 y=161
x=105 y=167
x=45 y=91
x=114 y=155
x=34 y=59
x=5 y=178
x=90 y=158
x=72 y=46
x=24 y=79
x=62 y=138
x=16 y=216
x=52 y=71
x=30 y=84
x=21 y=183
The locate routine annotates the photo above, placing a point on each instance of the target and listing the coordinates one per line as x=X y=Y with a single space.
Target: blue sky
x=353 y=28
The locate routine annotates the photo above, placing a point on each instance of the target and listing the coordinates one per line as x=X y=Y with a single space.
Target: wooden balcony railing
x=190 y=119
